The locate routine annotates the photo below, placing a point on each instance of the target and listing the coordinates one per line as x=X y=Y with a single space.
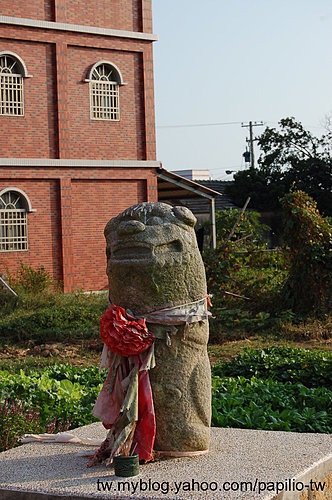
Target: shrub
x=243 y=267
x=53 y=317
x=249 y=230
x=30 y=280
x=308 y=237
x=16 y=420
x=41 y=312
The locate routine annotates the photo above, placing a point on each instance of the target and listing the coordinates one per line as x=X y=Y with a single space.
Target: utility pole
x=251 y=139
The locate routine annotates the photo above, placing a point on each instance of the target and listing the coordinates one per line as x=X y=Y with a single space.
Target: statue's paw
x=180 y=436
x=166 y=395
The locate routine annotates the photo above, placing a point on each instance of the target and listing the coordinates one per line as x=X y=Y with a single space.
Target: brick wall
x=74 y=204
x=95 y=139
x=57 y=108
x=116 y=14
x=31 y=9
x=34 y=134
x=129 y=15
x=73 y=207
x=93 y=205
x=44 y=228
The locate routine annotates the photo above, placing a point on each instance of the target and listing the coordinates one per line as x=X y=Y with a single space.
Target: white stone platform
x=247 y=460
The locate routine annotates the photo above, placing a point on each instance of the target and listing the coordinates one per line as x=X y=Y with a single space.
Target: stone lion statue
x=155 y=271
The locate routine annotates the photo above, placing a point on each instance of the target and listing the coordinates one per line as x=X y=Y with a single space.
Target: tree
x=289 y=156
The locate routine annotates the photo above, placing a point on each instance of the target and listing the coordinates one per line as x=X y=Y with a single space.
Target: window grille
x=104 y=93
x=11 y=87
x=13 y=223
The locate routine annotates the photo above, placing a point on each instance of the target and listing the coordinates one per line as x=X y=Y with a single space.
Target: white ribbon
x=60 y=437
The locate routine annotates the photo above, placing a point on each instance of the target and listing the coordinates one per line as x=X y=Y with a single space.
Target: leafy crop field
x=276 y=388
x=47 y=400
x=60 y=391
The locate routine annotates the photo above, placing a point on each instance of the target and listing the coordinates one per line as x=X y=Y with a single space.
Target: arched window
x=12 y=71
x=14 y=208
x=104 y=81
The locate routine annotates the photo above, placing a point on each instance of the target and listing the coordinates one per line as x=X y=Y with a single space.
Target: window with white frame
x=105 y=80
x=13 y=221
x=11 y=85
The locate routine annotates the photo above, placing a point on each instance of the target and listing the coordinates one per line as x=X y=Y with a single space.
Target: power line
x=217 y=124
x=190 y=125
x=213 y=169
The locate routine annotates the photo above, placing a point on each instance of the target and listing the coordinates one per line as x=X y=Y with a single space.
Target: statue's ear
x=185 y=216
x=108 y=228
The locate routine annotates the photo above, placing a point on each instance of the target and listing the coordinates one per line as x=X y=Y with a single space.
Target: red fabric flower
x=123 y=334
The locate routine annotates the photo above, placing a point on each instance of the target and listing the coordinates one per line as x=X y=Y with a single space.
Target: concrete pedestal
x=241 y=464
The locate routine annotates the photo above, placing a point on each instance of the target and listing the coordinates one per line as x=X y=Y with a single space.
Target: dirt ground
x=88 y=352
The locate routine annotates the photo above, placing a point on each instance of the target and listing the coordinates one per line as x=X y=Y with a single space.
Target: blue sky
x=233 y=61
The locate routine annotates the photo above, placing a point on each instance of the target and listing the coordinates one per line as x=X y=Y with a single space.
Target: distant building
x=78 y=130
x=194 y=174
x=201 y=206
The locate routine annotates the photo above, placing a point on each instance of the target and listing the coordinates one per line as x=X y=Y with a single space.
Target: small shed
x=174 y=189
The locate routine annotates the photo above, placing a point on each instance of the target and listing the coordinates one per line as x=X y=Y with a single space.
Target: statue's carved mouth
x=139 y=251
x=172 y=246
x=135 y=251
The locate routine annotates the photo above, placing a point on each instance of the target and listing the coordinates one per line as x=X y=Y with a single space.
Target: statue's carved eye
x=130 y=227
x=185 y=216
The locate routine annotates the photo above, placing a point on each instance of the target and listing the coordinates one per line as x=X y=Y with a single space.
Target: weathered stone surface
x=154 y=263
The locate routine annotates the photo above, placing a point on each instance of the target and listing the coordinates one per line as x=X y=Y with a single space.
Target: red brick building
x=78 y=130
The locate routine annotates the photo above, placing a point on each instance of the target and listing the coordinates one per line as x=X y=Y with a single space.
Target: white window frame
x=14 y=208
x=12 y=74
x=104 y=81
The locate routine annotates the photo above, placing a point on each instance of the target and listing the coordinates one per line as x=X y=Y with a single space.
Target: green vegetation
x=283 y=364
x=64 y=317
x=16 y=420
x=274 y=389
x=289 y=155
x=259 y=295
x=308 y=237
x=244 y=279
x=277 y=388
x=285 y=292
x=41 y=312
x=53 y=395
x=270 y=405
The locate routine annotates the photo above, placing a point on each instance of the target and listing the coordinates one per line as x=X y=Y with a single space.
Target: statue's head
x=153 y=246
x=150 y=232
